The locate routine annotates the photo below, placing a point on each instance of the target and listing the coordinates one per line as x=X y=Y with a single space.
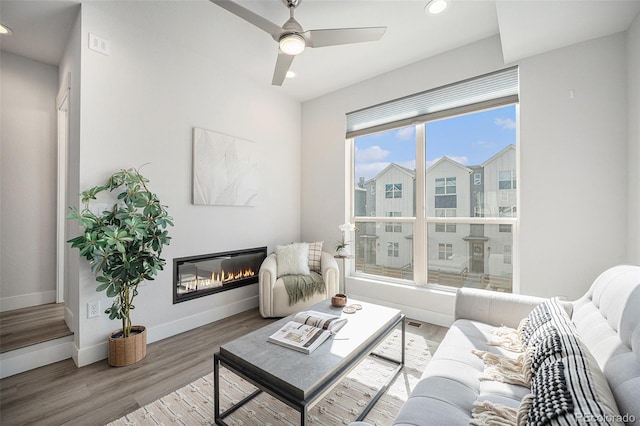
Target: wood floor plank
x=28 y=326
x=62 y=394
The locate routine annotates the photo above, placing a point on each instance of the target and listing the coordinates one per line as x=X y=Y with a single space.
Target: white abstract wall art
x=225 y=169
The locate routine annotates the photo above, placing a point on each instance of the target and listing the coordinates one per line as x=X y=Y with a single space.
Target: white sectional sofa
x=607 y=320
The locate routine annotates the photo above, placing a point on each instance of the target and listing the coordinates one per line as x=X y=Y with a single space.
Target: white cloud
x=370 y=170
x=406 y=133
x=373 y=153
x=409 y=164
x=505 y=123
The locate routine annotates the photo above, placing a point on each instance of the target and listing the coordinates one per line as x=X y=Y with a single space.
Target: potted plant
x=341 y=245
x=341 y=248
x=123 y=245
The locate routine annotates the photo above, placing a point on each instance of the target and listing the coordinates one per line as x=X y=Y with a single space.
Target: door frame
x=62 y=110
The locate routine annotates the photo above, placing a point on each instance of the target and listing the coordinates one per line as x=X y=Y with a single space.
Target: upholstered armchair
x=276 y=300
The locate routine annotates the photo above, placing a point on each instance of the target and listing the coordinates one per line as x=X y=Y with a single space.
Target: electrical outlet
x=99 y=44
x=93 y=309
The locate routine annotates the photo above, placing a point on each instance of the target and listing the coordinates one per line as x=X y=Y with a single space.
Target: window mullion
x=420 y=228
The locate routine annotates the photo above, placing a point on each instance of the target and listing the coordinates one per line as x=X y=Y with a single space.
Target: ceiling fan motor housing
x=291 y=3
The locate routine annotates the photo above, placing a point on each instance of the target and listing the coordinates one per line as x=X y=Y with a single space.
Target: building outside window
x=393 y=190
x=445 y=186
x=507 y=211
x=507 y=179
x=446 y=227
x=445 y=251
x=393 y=226
x=507 y=255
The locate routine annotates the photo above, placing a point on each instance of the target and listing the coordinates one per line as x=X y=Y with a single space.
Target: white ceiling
x=525 y=27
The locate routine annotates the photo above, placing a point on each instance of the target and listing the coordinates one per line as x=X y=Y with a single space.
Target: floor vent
x=414 y=324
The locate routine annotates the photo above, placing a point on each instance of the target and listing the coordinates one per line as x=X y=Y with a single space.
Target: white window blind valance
x=486 y=91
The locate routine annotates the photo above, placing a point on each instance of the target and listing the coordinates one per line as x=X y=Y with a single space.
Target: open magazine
x=307 y=330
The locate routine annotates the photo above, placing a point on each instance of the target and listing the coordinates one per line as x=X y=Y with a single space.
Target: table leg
x=216 y=387
x=403 y=341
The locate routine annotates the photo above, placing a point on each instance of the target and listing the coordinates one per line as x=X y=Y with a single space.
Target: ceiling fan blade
x=336 y=36
x=282 y=66
x=251 y=17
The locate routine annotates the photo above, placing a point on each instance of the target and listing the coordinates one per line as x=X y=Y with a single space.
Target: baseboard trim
x=430 y=305
x=412 y=312
x=27 y=300
x=99 y=352
x=34 y=356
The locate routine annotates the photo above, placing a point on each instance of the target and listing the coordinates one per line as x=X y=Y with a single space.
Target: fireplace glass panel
x=198 y=276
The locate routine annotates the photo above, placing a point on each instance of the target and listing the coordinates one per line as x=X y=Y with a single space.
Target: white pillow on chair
x=293 y=259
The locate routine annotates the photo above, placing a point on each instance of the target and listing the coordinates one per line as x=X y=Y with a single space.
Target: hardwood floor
x=62 y=394
x=28 y=326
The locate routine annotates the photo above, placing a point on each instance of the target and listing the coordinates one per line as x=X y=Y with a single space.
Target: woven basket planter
x=127 y=351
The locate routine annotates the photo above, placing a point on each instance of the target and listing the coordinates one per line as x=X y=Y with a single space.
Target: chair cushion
x=293 y=259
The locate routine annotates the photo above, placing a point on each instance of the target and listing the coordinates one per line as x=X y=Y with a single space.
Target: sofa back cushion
x=608 y=321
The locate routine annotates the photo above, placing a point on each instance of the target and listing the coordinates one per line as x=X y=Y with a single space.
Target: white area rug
x=193 y=404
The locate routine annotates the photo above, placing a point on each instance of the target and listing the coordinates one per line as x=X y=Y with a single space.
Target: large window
x=466 y=180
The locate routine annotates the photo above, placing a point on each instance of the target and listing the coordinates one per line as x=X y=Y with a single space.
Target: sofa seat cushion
x=450 y=384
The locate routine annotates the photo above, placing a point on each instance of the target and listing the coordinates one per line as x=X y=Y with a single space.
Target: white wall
x=633 y=75
x=139 y=105
x=571 y=150
x=28 y=176
x=573 y=166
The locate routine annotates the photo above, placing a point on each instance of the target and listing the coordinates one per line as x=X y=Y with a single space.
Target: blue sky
x=469 y=139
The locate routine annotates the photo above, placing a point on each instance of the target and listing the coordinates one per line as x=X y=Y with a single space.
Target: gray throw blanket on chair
x=301 y=287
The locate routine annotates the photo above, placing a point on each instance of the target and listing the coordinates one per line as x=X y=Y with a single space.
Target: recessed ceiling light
x=5 y=30
x=290 y=74
x=435 y=7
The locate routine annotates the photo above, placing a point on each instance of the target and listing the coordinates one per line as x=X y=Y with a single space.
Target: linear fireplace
x=197 y=276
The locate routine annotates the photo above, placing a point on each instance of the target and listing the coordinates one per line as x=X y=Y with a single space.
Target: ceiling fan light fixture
x=435 y=7
x=292 y=44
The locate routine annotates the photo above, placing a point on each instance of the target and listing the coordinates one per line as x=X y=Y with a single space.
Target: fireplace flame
x=218 y=279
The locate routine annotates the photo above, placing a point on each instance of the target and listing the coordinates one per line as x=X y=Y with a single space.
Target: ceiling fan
x=293 y=39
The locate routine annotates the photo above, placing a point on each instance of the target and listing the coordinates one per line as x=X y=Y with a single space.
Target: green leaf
x=111 y=291
x=101 y=287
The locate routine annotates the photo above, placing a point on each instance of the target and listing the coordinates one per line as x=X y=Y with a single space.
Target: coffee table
x=300 y=379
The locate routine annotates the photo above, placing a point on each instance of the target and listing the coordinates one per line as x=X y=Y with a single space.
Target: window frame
x=420 y=222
